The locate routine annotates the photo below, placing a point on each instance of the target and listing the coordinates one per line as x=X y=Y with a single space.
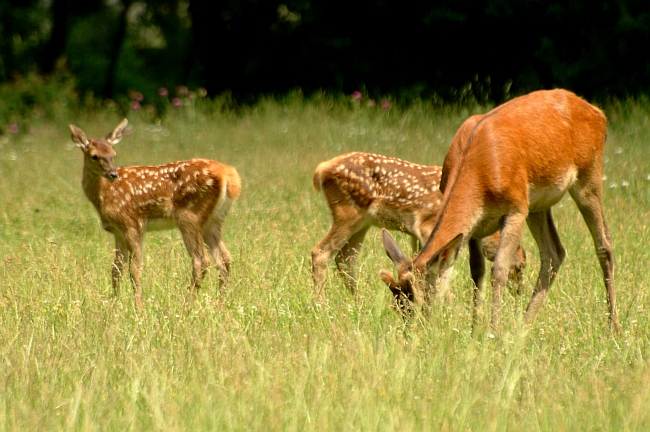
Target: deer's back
x=158 y=192
x=544 y=140
x=390 y=192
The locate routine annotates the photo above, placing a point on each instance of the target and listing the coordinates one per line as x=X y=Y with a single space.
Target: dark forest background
x=597 y=48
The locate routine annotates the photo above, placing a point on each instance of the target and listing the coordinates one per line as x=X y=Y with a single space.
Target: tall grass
x=264 y=353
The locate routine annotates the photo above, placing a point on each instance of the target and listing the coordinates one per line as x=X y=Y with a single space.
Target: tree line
x=493 y=48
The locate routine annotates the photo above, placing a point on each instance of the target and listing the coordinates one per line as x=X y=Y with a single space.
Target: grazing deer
x=365 y=190
x=507 y=168
x=193 y=195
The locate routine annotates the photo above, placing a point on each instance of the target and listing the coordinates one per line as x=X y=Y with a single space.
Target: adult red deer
x=506 y=168
x=364 y=190
x=194 y=195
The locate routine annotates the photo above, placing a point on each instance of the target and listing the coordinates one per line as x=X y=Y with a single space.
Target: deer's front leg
x=121 y=254
x=513 y=229
x=477 y=268
x=133 y=239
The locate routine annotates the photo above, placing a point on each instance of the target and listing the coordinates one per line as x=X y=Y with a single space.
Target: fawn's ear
x=79 y=137
x=392 y=250
x=446 y=256
x=115 y=137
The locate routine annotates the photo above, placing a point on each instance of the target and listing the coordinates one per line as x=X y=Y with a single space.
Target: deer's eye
x=94 y=157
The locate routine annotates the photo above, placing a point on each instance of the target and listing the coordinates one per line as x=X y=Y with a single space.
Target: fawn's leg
x=346 y=259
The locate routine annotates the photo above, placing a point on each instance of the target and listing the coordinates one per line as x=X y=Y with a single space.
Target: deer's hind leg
x=346 y=222
x=217 y=249
x=346 y=259
x=587 y=195
x=191 y=229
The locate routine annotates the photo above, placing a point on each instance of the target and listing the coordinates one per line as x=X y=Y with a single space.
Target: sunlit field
x=264 y=352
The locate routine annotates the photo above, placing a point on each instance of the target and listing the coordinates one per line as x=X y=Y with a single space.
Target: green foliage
x=265 y=353
x=21 y=36
x=252 y=47
x=32 y=99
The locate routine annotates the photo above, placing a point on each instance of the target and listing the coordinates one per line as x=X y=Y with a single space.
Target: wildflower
x=13 y=128
x=202 y=92
x=385 y=104
x=356 y=95
x=135 y=105
x=181 y=90
x=191 y=95
x=162 y=91
x=137 y=96
x=177 y=102
x=371 y=103
x=625 y=183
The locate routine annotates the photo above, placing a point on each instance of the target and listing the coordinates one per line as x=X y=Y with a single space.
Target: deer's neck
x=93 y=185
x=461 y=213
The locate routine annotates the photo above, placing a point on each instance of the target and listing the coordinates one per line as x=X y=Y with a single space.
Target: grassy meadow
x=264 y=353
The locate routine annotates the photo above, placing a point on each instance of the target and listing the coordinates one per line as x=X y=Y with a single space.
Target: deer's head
x=408 y=289
x=99 y=154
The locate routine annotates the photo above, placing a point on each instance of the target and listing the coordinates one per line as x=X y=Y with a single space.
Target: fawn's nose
x=113 y=175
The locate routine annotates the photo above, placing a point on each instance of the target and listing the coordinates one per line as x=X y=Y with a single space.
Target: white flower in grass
x=613 y=185
x=618 y=150
x=604 y=177
x=625 y=183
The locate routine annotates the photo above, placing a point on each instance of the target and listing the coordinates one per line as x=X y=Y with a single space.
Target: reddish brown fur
x=510 y=166
x=193 y=195
x=365 y=190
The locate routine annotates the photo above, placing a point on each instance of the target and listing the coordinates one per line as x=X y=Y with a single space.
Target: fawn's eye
x=94 y=157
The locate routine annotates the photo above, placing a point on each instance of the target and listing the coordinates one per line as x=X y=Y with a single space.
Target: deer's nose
x=113 y=175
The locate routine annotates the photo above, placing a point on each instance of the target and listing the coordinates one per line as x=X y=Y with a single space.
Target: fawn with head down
x=364 y=190
x=193 y=195
x=507 y=168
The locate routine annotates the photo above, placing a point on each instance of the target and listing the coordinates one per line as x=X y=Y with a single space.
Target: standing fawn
x=193 y=195
x=365 y=190
x=507 y=168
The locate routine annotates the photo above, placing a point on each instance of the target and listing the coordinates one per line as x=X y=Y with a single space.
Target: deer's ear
x=115 y=137
x=392 y=250
x=79 y=137
x=446 y=256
